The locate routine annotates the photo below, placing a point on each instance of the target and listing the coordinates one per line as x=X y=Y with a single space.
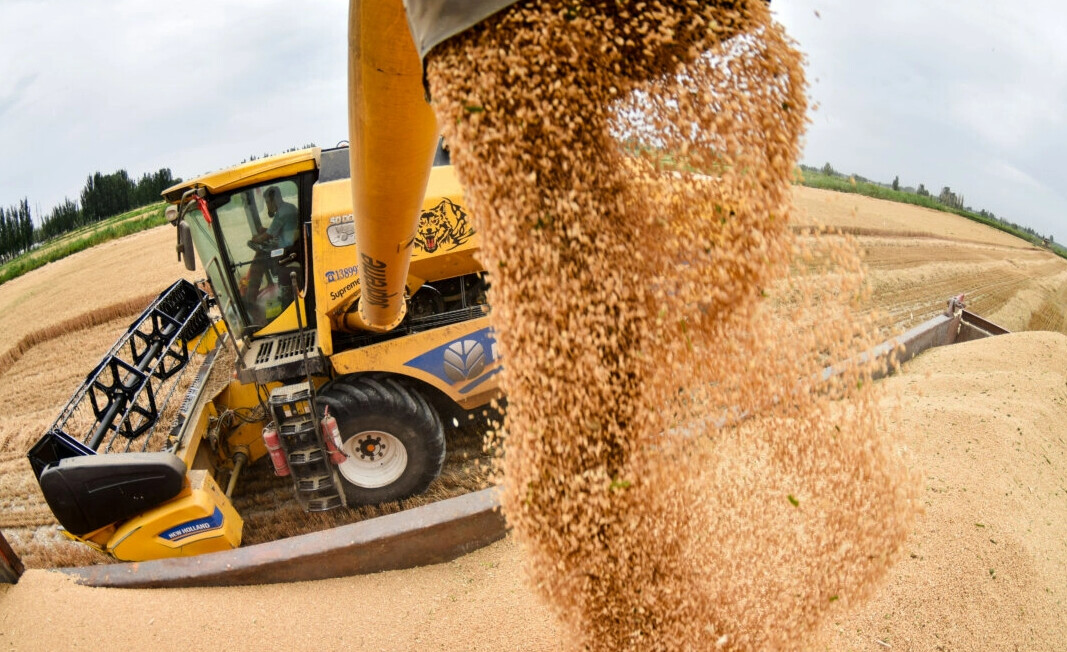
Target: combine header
x=103 y=462
x=118 y=406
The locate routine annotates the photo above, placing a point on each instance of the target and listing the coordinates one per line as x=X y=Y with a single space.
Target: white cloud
x=1006 y=118
x=935 y=92
x=1012 y=174
x=956 y=93
x=194 y=86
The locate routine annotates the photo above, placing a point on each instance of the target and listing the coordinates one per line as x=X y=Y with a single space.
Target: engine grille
x=282 y=356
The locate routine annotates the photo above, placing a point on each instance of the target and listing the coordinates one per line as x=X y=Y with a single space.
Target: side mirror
x=185 y=245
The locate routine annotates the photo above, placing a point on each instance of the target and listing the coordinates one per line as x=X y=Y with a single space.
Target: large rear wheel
x=392 y=436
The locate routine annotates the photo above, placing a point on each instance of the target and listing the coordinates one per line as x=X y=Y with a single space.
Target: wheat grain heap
x=676 y=468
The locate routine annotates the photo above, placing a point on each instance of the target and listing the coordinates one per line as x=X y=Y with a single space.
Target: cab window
x=261 y=230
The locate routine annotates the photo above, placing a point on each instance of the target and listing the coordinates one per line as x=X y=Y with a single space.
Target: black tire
x=373 y=415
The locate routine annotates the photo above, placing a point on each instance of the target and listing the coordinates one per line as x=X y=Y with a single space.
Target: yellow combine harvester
x=291 y=309
x=347 y=354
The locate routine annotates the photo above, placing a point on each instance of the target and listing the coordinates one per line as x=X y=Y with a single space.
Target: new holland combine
x=344 y=282
x=350 y=414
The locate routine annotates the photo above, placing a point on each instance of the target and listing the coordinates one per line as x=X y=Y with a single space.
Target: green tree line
x=828 y=178
x=16 y=230
x=103 y=196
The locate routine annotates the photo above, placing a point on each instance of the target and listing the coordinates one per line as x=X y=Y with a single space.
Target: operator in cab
x=280 y=235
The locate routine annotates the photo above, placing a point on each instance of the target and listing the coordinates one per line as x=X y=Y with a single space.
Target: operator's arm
x=283 y=228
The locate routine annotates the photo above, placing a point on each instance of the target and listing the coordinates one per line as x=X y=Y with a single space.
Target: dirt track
x=917 y=259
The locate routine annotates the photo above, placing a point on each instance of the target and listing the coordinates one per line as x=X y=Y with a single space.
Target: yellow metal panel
x=424 y=356
x=286 y=321
x=445 y=240
x=445 y=245
x=245 y=397
x=97 y=540
x=336 y=281
x=234 y=396
x=264 y=169
x=201 y=519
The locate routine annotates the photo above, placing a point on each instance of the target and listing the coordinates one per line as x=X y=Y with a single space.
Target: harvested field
x=841 y=210
x=985 y=569
x=36 y=386
x=917 y=257
x=1007 y=280
x=138 y=266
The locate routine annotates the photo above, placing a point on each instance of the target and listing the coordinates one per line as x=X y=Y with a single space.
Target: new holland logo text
x=191 y=528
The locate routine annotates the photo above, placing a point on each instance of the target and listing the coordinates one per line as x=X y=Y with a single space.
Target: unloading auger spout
x=393 y=135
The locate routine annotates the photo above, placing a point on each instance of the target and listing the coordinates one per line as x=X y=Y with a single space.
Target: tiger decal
x=444 y=225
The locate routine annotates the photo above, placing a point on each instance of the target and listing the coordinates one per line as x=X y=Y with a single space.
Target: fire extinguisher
x=331 y=435
x=274 y=447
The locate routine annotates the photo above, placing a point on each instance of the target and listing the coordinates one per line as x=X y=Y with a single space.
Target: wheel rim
x=375 y=459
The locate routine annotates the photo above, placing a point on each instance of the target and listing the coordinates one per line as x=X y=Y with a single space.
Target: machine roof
x=264 y=169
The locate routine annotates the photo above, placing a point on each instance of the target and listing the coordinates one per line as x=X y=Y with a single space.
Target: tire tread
x=362 y=402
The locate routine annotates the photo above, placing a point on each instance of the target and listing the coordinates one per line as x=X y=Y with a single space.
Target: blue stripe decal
x=462 y=360
x=191 y=528
x=480 y=380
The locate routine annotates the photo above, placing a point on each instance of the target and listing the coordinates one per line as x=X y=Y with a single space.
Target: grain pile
x=628 y=165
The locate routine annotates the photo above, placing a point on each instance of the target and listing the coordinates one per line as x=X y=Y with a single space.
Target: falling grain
x=676 y=467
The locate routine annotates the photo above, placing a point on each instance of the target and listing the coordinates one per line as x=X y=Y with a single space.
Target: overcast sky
x=966 y=94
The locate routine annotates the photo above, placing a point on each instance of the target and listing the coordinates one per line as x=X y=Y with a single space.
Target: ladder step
x=324 y=504
x=316 y=483
x=314 y=479
x=306 y=456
